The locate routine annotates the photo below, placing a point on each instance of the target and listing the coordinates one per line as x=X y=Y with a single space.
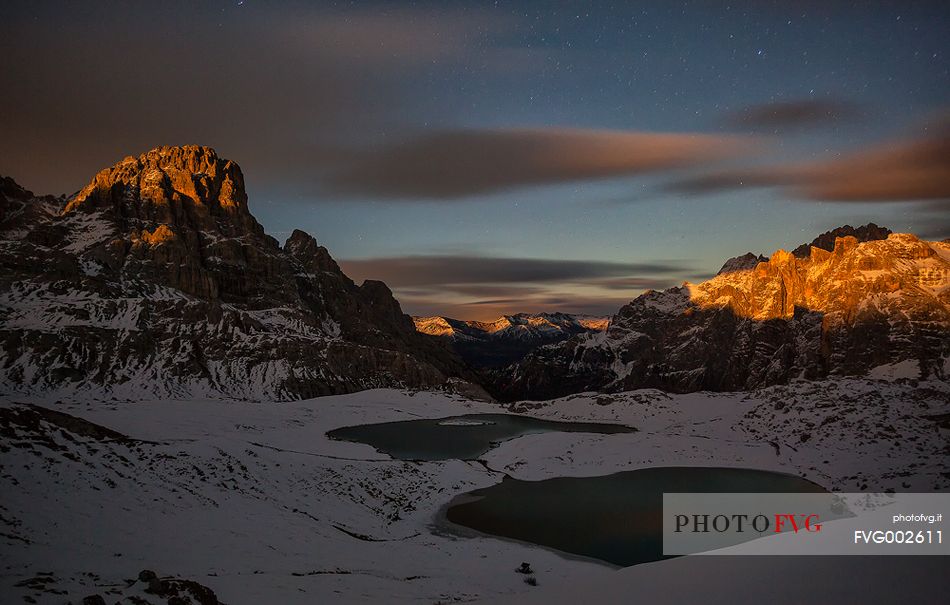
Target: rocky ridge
x=878 y=307
x=508 y=338
x=826 y=241
x=156 y=280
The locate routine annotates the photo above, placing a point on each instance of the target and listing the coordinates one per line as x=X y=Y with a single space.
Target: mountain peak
x=832 y=281
x=162 y=274
x=171 y=185
x=826 y=241
x=9 y=188
x=740 y=263
x=304 y=248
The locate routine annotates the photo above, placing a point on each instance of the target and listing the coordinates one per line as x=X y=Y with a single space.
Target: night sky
x=498 y=157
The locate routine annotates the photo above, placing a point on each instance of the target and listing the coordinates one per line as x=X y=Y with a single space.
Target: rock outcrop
x=878 y=307
x=156 y=280
x=826 y=241
x=741 y=263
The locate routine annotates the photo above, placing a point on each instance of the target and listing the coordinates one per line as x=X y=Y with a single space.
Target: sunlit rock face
x=847 y=284
x=509 y=338
x=155 y=279
x=171 y=184
x=180 y=214
x=859 y=308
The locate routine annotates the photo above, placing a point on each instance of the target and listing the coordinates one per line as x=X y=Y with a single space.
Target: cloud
x=906 y=170
x=939 y=230
x=792 y=114
x=446 y=270
x=497 y=291
x=471 y=286
x=911 y=169
x=457 y=163
x=276 y=88
x=489 y=309
x=497 y=301
x=636 y=283
x=714 y=182
x=935 y=221
x=390 y=36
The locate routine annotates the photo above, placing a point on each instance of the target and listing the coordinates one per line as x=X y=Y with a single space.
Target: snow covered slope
x=253 y=501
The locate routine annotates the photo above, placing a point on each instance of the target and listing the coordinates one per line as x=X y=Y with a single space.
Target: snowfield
x=253 y=501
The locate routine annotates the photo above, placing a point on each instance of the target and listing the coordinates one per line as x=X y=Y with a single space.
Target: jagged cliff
x=879 y=306
x=156 y=280
x=826 y=241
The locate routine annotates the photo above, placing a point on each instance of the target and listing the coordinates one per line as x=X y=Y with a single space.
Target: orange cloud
x=911 y=169
x=484 y=287
x=458 y=163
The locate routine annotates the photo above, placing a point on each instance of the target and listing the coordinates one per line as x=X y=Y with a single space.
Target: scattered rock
x=147 y=575
x=156 y=586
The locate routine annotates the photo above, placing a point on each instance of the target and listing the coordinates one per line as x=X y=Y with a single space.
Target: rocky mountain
x=156 y=280
x=740 y=263
x=510 y=337
x=826 y=241
x=879 y=307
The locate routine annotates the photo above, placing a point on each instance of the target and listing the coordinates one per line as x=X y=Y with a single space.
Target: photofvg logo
x=695 y=523
x=806 y=524
x=741 y=523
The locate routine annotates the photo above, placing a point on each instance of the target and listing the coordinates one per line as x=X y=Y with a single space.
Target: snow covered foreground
x=254 y=501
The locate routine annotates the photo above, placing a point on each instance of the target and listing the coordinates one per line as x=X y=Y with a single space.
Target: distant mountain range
x=510 y=337
x=155 y=281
